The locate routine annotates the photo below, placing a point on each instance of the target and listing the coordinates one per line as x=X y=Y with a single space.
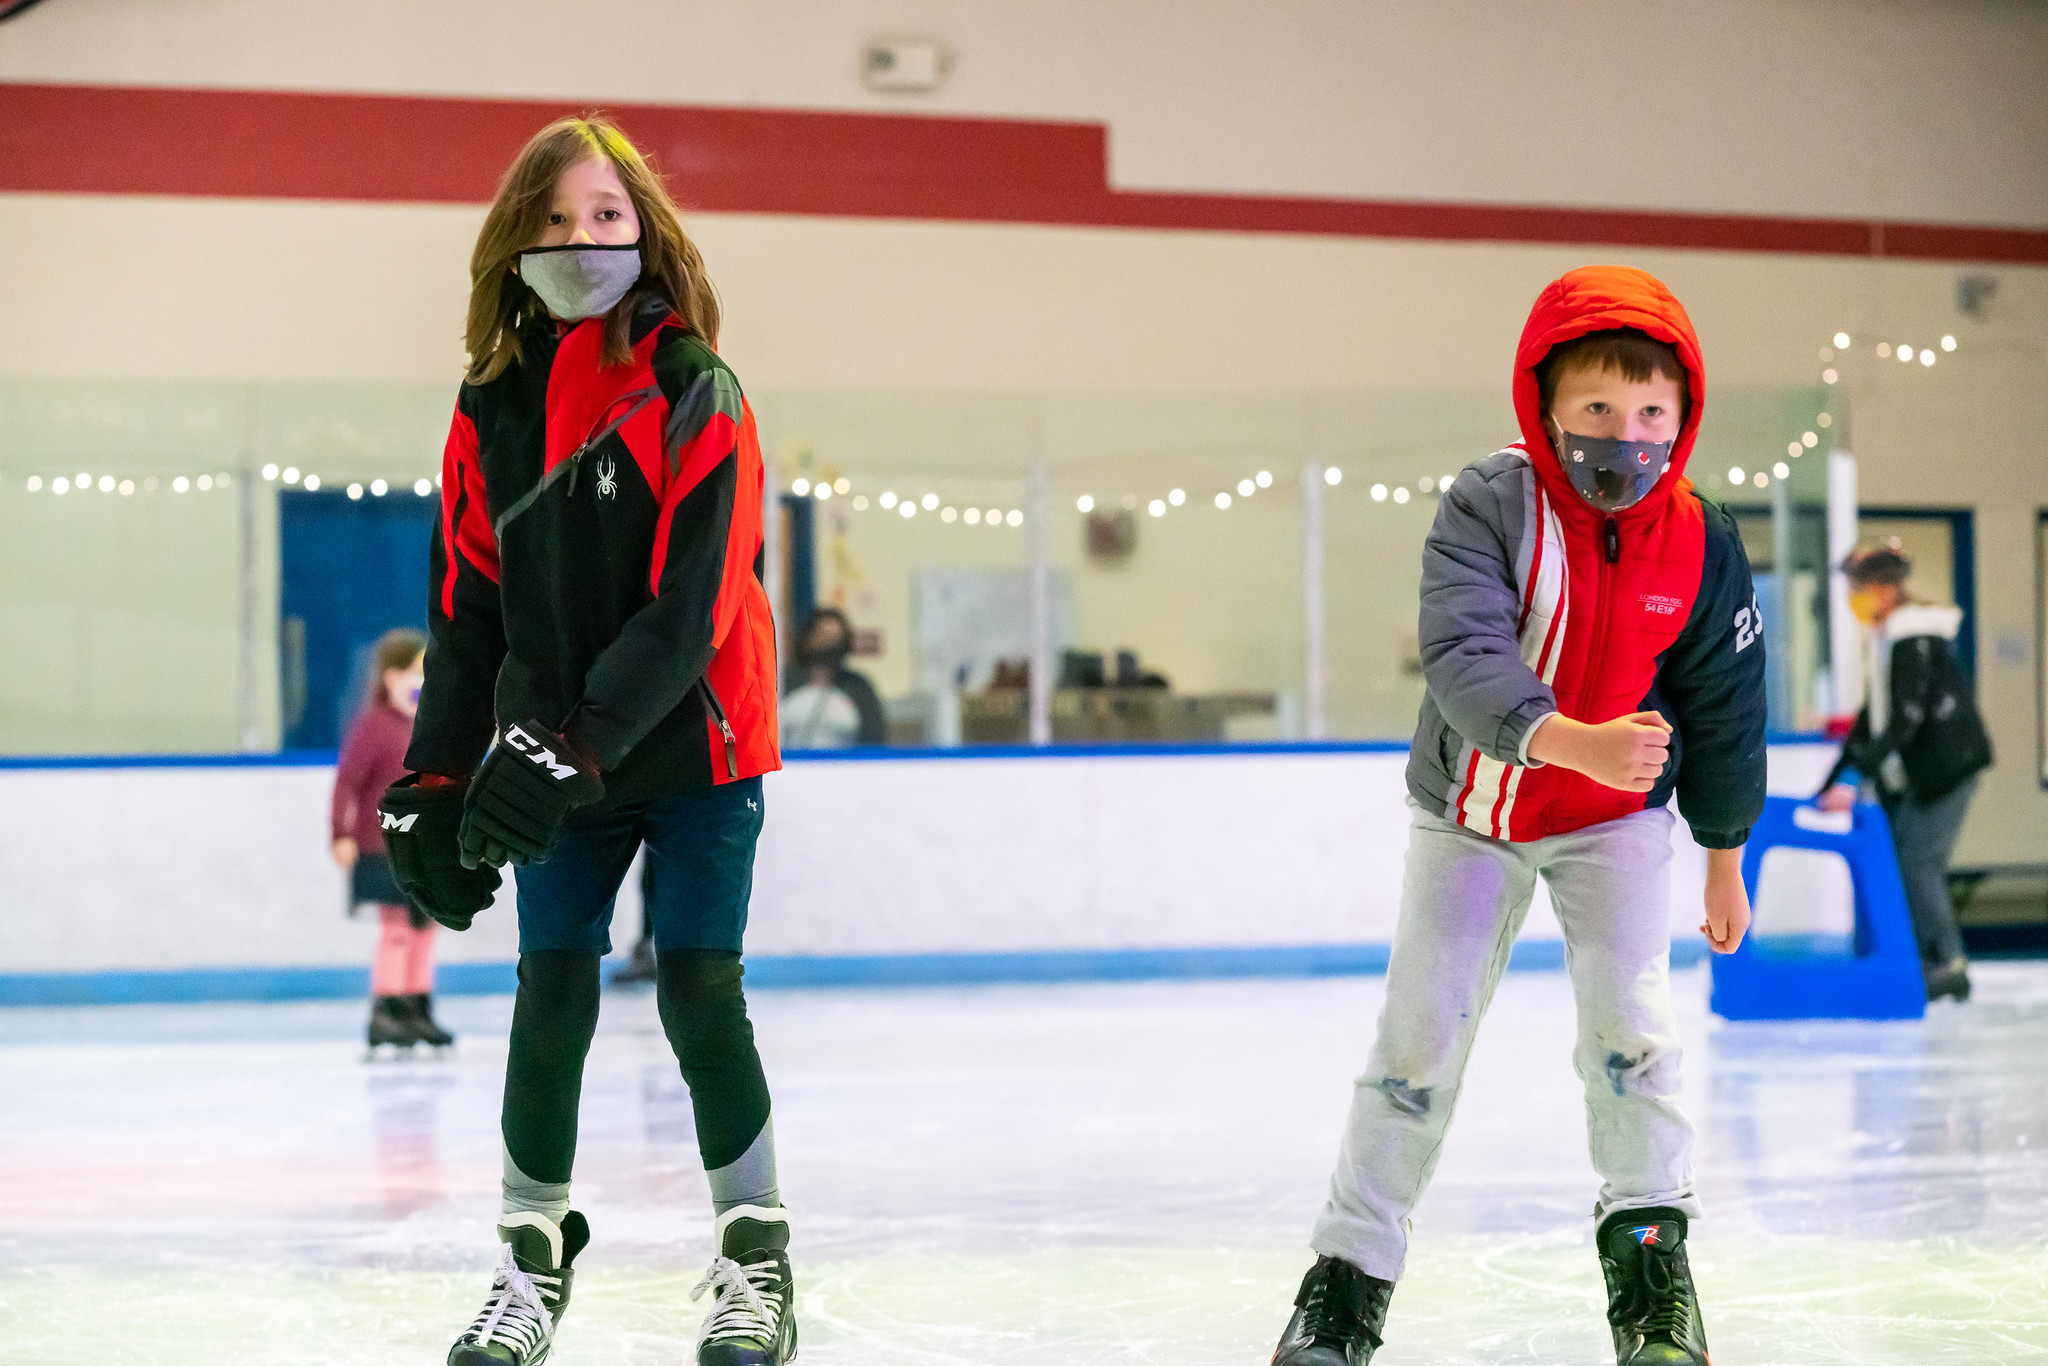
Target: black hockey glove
x=528 y=785
x=421 y=826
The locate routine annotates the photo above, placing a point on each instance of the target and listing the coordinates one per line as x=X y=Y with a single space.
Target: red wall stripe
x=417 y=149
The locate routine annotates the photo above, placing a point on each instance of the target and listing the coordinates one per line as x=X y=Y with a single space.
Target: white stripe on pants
x=1463 y=899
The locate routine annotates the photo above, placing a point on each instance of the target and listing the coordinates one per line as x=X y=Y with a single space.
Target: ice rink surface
x=1031 y=1176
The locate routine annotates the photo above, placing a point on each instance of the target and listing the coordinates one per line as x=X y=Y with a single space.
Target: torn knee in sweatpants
x=1654 y=1072
x=1409 y=1100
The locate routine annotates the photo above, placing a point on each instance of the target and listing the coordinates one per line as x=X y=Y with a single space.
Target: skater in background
x=1591 y=648
x=1920 y=743
x=596 y=609
x=372 y=758
x=830 y=706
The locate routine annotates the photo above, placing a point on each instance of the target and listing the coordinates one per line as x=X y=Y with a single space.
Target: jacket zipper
x=645 y=397
x=732 y=744
x=1610 y=555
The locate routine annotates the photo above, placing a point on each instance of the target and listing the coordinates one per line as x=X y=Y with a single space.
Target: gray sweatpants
x=1463 y=899
x=1924 y=835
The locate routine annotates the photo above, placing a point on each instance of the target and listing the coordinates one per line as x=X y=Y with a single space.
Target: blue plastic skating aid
x=1881 y=981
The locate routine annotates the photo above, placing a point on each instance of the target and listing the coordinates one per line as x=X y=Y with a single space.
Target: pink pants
x=405 y=956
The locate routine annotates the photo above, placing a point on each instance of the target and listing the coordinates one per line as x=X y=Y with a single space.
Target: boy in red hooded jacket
x=1591 y=646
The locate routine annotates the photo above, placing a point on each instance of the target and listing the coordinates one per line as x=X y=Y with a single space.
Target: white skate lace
x=517 y=1312
x=745 y=1304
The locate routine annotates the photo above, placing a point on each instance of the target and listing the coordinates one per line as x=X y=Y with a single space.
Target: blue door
x=348 y=571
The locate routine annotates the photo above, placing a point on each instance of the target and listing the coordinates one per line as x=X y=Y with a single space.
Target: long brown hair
x=671 y=268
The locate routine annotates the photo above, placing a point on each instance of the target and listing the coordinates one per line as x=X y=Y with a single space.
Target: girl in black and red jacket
x=601 y=673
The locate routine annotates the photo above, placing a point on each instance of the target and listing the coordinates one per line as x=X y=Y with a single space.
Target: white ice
x=1031 y=1176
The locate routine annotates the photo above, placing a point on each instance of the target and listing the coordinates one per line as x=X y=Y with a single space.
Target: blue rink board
x=879 y=970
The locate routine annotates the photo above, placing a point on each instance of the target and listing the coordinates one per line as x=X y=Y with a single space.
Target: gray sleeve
x=1471 y=656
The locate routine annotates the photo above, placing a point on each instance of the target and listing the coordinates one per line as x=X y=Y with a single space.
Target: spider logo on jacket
x=607 y=482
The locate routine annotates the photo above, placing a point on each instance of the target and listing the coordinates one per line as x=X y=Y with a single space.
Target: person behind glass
x=596 y=610
x=372 y=758
x=1920 y=742
x=830 y=706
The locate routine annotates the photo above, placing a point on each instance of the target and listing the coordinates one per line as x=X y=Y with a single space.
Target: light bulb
x=1827 y=377
x=205 y=483
x=1809 y=439
x=312 y=482
x=1379 y=493
x=1782 y=470
x=823 y=493
x=107 y=483
x=180 y=484
x=993 y=517
x=1333 y=476
x=1400 y=493
x=127 y=487
x=60 y=485
x=1245 y=488
x=1222 y=500
x=1906 y=355
x=291 y=474
x=35 y=483
x=1177 y=497
x=930 y=501
x=378 y=488
x=860 y=502
x=1265 y=478
x=1948 y=343
x=1084 y=503
x=906 y=508
x=1926 y=357
x=972 y=516
x=1761 y=480
x=423 y=487
x=1157 y=507
x=800 y=487
x=1015 y=517
x=1426 y=484
x=1824 y=420
x=842 y=485
x=887 y=500
x=1735 y=474
x=1841 y=341
x=1884 y=349
x=355 y=493
x=270 y=472
x=950 y=515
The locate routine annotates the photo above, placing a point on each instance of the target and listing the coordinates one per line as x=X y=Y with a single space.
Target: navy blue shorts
x=700 y=850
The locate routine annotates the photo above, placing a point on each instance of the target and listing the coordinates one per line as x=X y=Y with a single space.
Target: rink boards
x=209 y=880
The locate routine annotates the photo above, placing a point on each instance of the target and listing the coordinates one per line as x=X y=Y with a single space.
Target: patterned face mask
x=1611 y=474
x=580 y=280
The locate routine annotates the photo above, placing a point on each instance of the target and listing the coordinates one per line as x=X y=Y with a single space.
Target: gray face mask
x=582 y=280
x=1609 y=473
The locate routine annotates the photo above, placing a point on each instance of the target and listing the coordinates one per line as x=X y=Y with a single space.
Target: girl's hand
x=345 y=854
x=1727 y=901
x=1838 y=798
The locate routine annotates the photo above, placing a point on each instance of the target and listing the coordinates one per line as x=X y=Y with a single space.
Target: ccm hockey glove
x=528 y=785
x=421 y=825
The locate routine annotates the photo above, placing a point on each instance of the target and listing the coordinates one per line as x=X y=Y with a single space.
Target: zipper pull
x=732 y=750
x=575 y=468
x=1611 y=539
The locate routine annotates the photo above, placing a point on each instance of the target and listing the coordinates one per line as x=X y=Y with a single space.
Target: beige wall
x=1851 y=108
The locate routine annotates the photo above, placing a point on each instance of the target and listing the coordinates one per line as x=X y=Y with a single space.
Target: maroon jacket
x=372 y=759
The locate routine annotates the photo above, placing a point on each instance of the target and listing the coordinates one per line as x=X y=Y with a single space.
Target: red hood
x=1593 y=299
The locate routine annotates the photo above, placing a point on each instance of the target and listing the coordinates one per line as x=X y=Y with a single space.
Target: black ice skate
x=391 y=1029
x=529 y=1293
x=752 y=1321
x=1948 y=979
x=1338 y=1314
x=420 y=1008
x=1651 y=1305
